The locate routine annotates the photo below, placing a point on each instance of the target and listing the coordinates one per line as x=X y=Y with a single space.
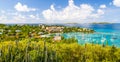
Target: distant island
x=91 y=23
x=101 y=23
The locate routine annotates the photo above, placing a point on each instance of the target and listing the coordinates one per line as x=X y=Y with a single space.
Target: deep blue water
x=105 y=34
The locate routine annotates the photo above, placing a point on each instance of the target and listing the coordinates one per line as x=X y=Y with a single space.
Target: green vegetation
x=42 y=51
x=77 y=29
x=25 y=43
x=13 y=32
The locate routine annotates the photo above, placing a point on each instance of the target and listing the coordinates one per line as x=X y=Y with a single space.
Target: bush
x=26 y=51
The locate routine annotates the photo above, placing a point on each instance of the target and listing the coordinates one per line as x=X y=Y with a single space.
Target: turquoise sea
x=105 y=34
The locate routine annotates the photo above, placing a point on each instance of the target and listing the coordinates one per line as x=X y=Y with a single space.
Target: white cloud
x=103 y=6
x=2 y=11
x=32 y=16
x=19 y=17
x=12 y=18
x=116 y=3
x=35 y=17
x=2 y=17
x=100 y=12
x=72 y=12
x=23 y=8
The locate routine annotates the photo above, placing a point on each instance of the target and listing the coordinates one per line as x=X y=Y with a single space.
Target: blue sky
x=59 y=11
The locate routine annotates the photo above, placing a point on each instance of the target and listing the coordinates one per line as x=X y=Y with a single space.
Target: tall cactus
x=9 y=56
x=26 y=52
x=3 y=54
x=45 y=52
x=0 y=53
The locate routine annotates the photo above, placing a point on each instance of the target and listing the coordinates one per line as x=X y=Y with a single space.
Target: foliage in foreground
x=26 y=51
